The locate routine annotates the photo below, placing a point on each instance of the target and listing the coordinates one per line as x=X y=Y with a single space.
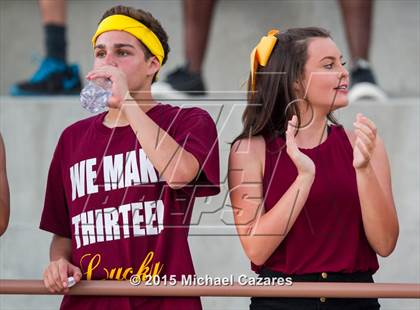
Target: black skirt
x=279 y=303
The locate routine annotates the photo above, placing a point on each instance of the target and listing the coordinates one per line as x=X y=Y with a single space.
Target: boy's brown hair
x=146 y=19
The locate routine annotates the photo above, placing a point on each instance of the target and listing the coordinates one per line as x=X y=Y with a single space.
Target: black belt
x=363 y=277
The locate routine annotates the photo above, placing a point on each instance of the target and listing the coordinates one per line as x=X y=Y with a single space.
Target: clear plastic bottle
x=94 y=96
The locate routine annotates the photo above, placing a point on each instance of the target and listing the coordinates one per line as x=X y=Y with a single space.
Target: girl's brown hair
x=274 y=100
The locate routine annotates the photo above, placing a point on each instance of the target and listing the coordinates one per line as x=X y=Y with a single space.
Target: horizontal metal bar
x=297 y=289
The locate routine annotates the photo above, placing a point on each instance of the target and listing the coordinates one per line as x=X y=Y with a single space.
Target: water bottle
x=94 y=96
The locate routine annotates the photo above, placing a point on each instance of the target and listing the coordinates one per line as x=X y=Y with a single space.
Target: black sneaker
x=53 y=77
x=185 y=81
x=363 y=83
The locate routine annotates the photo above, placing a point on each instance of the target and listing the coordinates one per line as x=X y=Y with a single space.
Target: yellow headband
x=261 y=53
x=134 y=27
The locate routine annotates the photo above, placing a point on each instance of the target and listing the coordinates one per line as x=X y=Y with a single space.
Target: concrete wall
x=31 y=126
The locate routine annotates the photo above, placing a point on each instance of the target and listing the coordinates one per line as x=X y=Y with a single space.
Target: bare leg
x=197 y=22
x=357 y=15
x=53 y=12
x=357 y=20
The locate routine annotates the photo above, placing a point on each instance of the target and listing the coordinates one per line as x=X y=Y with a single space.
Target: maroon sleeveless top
x=328 y=235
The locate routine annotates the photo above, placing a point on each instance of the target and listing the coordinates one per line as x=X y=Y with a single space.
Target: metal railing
x=297 y=289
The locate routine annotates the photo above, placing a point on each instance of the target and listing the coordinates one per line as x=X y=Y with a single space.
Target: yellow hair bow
x=261 y=53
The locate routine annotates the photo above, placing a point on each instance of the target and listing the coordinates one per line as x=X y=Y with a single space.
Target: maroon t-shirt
x=328 y=234
x=104 y=193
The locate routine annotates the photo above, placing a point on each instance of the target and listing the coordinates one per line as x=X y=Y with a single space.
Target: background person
x=54 y=76
x=4 y=190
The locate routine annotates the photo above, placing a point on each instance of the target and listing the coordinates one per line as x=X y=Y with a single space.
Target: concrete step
x=236 y=28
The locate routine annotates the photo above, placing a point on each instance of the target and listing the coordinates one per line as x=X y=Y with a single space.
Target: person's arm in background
x=4 y=190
